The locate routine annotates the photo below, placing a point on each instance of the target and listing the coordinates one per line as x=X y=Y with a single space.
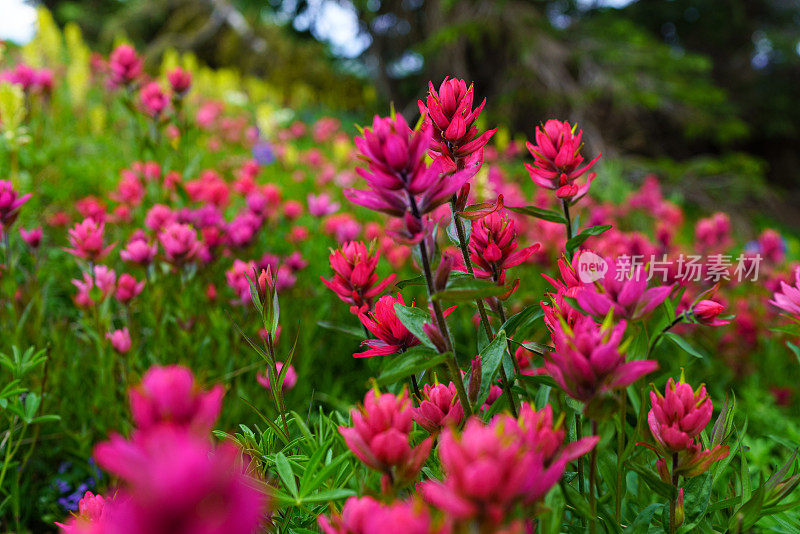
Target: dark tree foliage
x=701 y=91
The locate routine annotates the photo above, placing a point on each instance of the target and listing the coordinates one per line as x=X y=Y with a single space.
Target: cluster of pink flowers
x=36 y=81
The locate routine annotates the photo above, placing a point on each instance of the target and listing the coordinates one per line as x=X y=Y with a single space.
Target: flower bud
x=435 y=336
x=443 y=271
x=707 y=312
x=475 y=379
x=680 y=512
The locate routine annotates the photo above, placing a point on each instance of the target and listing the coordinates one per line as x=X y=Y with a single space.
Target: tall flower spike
x=450 y=115
x=557 y=160
x=399 y=180
x=354 y=279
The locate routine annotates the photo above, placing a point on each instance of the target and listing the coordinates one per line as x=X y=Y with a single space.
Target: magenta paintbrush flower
x=679 y=415
x=125 y=65
x=399 y=180
x=493 y=246
x=180 y=243
x=289 y=381
x=708 y=311
x=32 y=237
x=438 y=408
x=365 y=515
x=788 y=298
x=450 y=115
x=169 y=395
x=557 y=160
x=587 y=363
x=86 y=241
x=487 y=469
x=120 y=340
x=676 y=420
x=391 y=336
x=545 y=436
x=354 y=279
x=176 y=482
x=180 y=80
x=139 y=251
x=153 y=99
x=10 y=203
x=379 y=436
x=128 y=288
x=626 y=293
x=90 y=515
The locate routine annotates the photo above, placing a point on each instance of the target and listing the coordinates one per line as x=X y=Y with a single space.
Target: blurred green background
x=701 y=92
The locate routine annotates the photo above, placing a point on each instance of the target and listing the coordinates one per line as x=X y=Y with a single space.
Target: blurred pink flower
x=179 y=242
x=32 y=237
x=10 y=203
x=289 y=381
x=180 y=80
x=86 y=240
x=170 y=396
x=153 y=99
x=125 y=65
x=120 y=340
x=176 y=482
x=139 y=251
x=127 y=288
x=321 y=205
x=788 y=298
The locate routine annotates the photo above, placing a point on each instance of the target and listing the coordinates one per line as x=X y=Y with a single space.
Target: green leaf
x=414 y=319
x=539 y=213
x=416 y=281
x=329 y=495
x=682 y=343
x=411 y=362
x=522 y=320
x=538 y=380
x=469 y=289
x=697 y=494
x=285 y=473
x=573 y=244
x=345 y=329
x=643 y=521
x=491 y=357
x=452 y=232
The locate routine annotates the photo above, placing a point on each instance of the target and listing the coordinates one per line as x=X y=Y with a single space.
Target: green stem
x=666 y=329
x=441 y=323
x=593 y=484
x=620 y=452
x=672 y=525
x=568 y=224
